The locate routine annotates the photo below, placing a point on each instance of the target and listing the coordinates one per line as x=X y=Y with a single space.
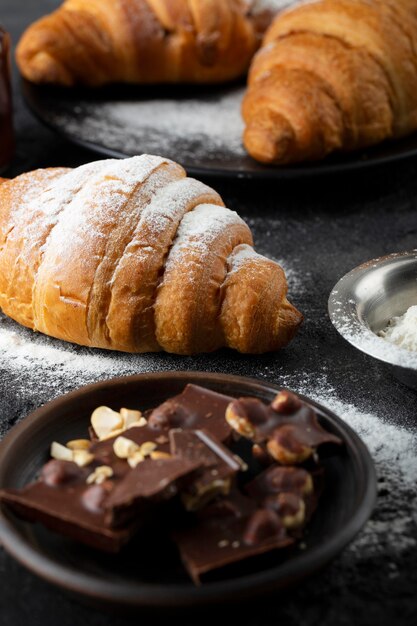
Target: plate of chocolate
x=172 y=489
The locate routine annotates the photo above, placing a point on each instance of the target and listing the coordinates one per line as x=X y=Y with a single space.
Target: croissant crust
x=132 y=255
x=94 y=42
x=332 y=75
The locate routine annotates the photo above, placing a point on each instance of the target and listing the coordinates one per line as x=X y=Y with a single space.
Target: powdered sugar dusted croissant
x=132 y=255
x=93 y=42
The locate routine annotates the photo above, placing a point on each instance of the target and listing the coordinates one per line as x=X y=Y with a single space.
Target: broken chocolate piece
x=152 y=480
x=195 y=408
x=218 y=465
x=64 y=507
x=288 y=425
x=91 y=505
x=219 y=540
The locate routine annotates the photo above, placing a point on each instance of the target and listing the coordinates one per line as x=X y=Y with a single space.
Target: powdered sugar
x=366 y=340
x=240 y=256
x=402 y=330
x=198 y=230
x=260 y=6
x=206 y=124
x=45 y=363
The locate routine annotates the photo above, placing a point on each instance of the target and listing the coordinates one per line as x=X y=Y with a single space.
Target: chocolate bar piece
x=234 y=531
x=288 y=427
x=218 y=468
x=62 y=501
x=151 y=480
x=98 y=505
x=195 y=408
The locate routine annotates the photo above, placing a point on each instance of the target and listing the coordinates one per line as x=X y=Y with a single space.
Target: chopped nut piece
x=104 y=420
x=82 y=457
x=157 y=455
x=129 y=417
x=100 y=474
x=139 y=424
x=239 y=423
x=136 y=458
x=123 y=447
x=79 y=444
x=112 y=434
x=60 y=452
x=148 y=447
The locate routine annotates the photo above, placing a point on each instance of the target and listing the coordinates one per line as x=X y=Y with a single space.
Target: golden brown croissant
x=93 y=42
x=132 y=255
x=332 y=75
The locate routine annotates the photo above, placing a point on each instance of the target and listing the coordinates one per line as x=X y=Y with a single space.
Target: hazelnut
x=285 y=447
x=93 y=498
x=290 y=508
x=240 y=423
x=262 y=525
x=56 y=473
x=286 y=403
x=290 y=479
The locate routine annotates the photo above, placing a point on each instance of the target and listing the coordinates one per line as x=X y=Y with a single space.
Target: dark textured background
x=322 y=229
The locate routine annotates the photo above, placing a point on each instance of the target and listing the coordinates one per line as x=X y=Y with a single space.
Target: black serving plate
x=199 y=127
x=146 y=576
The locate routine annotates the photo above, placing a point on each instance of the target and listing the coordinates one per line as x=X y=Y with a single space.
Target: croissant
x=132 y=255
x=94 y=42
x=332 y=75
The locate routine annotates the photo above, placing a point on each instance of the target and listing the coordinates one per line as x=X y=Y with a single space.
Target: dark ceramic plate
x=200 y=127
x=156 y=578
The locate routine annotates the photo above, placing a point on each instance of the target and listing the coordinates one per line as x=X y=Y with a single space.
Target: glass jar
x=6 y=127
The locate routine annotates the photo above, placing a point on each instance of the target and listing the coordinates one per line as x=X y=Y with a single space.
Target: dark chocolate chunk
x=288 y=426
x=219 y=465
x=64 y=509
x=155 y=480
x=195 y=408
x=224 y=537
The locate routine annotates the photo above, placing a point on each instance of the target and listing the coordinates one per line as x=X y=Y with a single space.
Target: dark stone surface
x=321 y=229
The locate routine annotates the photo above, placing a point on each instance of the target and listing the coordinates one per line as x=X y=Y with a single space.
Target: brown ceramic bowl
x=155 y=578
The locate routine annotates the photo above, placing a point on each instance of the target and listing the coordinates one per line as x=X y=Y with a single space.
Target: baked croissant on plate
x=94 y=42
x=132 y=255
x=332 y=75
